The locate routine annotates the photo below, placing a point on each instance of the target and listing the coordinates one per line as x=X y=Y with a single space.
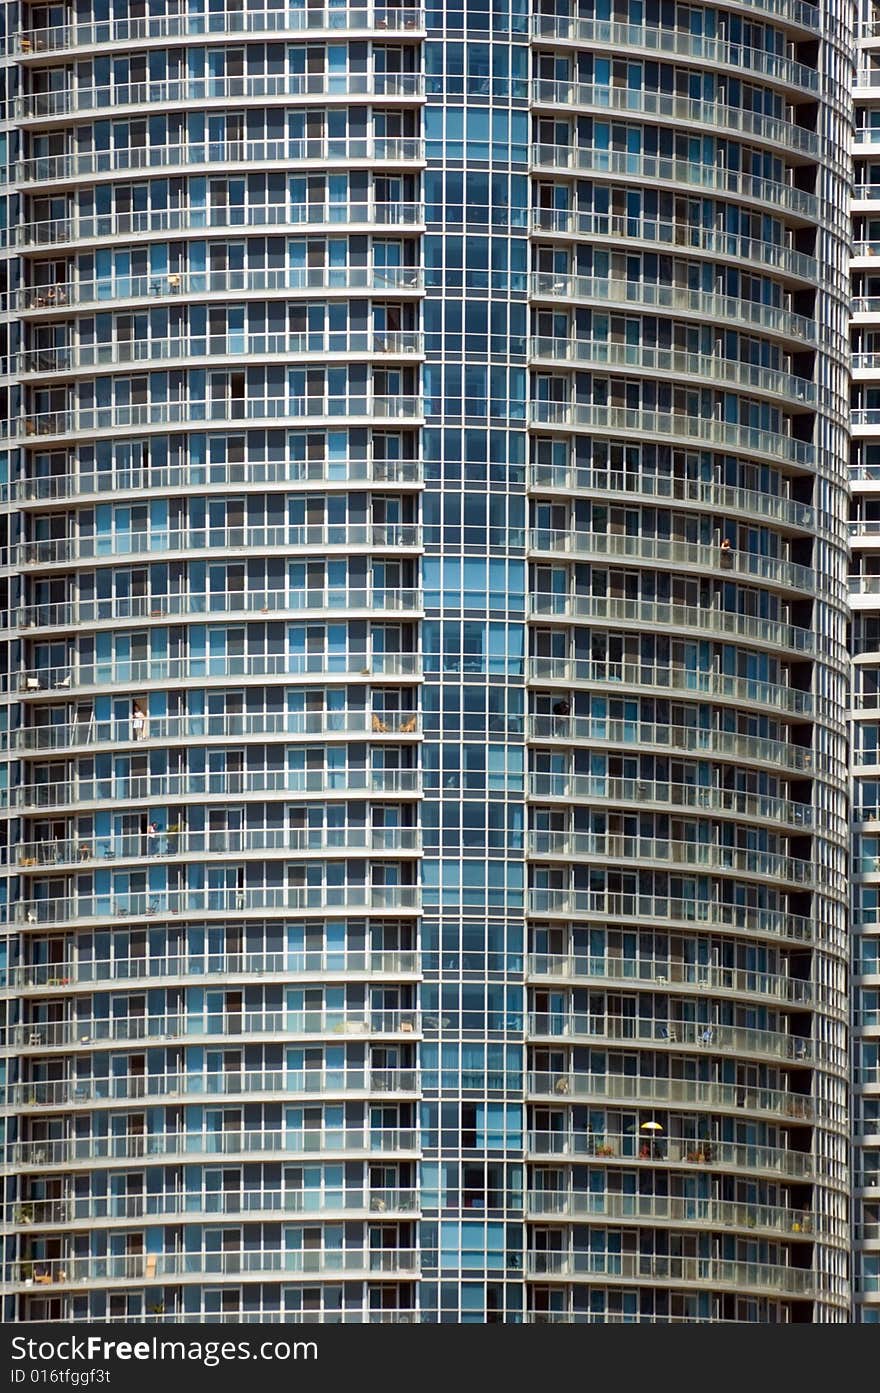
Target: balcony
x=707 y=855
x=708 y=741
x=68 y=1152
x=86 y=420
x=587 y=352
x=712 y=622
x=84 y=1209
x=603 y=33
x=254 y=472
x=572 y=478
x=147 y=672
x=330 y=19
x=588 y=788
x=86 y=1030
x=707 y=1212
x=232 y=726
x=85 y=293
x=375 y=899
x=698 y=1153
x=658 y=295
x=577 y=904
x=763 y=1277
x=159 y=787
x=683 y=111
x=662 y=1032
x=674 y=974
x=633 y=672
x=96 y=227
x=617 y=226
x=589 y=159
x=652 y=1091
x=82 y=101
x=91 y=1092
x=63 y=551
x=72 y=613
x=255 y=1263
x=354 y=837
x=635 y=421
x=82 y=357
x=773 y=570
x=90 y=164
x=290 y=963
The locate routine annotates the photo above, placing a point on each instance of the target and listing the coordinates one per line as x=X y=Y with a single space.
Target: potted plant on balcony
x=604 y=1148
x=24 y=1214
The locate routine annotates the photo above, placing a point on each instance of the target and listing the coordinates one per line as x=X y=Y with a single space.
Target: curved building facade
x=424 y=737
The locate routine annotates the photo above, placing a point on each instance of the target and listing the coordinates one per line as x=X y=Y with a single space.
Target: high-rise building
x=865 y=731
x=425 y=723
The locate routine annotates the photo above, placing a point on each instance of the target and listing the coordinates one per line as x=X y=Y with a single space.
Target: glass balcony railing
x=83 y=357
x=709 y=1037
x=351 y=837
x=159 y=787
x=87 y=292
x=864 y=585
x=637 y=421
x=715 y=369
x=684 y=110
x=288 y=963
x=589 y=159
x=663 y=1091
x=632 y=672
x=248 y=1262
x=230 y=725
x=642 y=547
x=391 y=1315
x=71 y=613
x=147 y=671
x=96 y=227
x=245 y=1143
x=84 y=164
x=222 y=22
x=674 y=974
x=589 y=788
x=86 y=1092
x=89 y=420
x=771 y=923
x=717 y=1155
x=715 y=1272
x=650 y=734
x=668 y=41
x=171 y=92
x=708 y=1212
x=64 y=550
x=583 y=479
x=662 y=296
x=265 y=899
x=79 y=1209
x=680 y=233
x=772 y=633
x=88 y=1030
x=164 y=479
x=611 y=846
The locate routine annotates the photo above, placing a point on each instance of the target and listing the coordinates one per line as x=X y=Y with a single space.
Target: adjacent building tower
x=865 y=730
x=425 y=618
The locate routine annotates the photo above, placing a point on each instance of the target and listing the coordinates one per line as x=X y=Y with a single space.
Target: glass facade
x=424 y=737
